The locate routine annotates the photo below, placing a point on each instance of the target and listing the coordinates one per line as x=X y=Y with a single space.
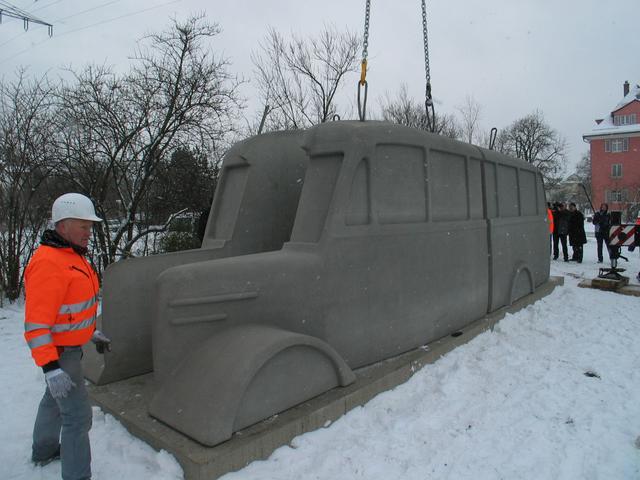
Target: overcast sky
x=567 y=58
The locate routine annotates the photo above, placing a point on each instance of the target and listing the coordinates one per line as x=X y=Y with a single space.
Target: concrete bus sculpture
x=326 y=250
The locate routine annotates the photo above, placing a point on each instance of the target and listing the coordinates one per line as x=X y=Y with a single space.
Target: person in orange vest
x=61 y=293
x=550 y=222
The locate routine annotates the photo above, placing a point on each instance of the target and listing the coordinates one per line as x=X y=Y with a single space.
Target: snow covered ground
x=552 y=393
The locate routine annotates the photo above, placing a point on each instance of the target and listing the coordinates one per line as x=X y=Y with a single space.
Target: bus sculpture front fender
x=243 y=375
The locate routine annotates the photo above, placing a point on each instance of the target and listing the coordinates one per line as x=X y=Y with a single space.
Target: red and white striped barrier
x=623 y=235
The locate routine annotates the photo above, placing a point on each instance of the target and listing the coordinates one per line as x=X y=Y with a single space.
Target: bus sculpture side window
x=528 y=193
x=476 y=210
x=359 y=206
x=449 y=197
x=508 y=197
x=491 y=189
x=399 y=184
x=316 y=197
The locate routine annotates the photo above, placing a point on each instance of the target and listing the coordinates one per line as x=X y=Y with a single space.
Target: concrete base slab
x=624 y=289
x=127 y=400
x=609 y=283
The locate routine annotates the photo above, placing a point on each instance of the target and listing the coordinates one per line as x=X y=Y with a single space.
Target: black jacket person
x=577 y=235
x=560 y=231
x=601 y=223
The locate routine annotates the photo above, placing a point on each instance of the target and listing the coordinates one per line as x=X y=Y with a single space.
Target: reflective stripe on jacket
x=61 y=290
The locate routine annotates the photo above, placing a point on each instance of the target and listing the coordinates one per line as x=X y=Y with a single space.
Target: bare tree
x=118 y=128
x=299 y=79
x=583 y=171
x=26 y=141
x=404 y=110
x=470 y=113
x=533 y=140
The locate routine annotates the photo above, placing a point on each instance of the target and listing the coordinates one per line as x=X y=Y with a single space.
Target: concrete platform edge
x=127 y=401
x=631 y=290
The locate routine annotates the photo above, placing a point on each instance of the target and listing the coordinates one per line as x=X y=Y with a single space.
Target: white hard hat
x=73 y=205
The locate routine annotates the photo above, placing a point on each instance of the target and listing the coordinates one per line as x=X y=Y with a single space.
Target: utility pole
x=11 y=11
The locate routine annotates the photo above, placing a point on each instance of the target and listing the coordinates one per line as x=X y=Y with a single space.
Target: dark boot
x=41 y=462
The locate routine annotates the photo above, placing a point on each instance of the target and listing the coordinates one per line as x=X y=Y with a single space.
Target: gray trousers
x=66 y=422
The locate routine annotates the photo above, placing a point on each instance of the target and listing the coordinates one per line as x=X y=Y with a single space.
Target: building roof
x=606 y=126
x=634 y=94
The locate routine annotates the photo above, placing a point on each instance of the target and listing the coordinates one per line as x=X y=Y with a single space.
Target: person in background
x=61 y=302
x=550 y=222
x=636 y=241
x=561 y=230
x=577 y=235
x=601 y=224
x=554 y=233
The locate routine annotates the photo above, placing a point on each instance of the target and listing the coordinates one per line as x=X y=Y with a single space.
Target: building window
x=614 y=196
x=616 y=170
x=616 y=145
x=630 y=119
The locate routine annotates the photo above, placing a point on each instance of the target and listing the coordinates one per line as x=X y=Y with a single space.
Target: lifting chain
x=362 y=103
x=428 y=102
x=362 y=83
x=365 y=49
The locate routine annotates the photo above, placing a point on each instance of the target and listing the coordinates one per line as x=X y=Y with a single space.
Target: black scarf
x=51 y=238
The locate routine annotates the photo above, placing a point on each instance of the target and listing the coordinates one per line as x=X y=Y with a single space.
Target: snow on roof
x=606 y=126
x=634 y=94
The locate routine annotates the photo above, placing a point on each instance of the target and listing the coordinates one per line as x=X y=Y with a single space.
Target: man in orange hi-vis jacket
x=550 y=222
x=61 y=290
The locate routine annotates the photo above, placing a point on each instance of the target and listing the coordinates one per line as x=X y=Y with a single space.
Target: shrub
x=177 y=241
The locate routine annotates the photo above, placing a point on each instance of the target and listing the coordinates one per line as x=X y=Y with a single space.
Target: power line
x=63 y=18
x=88 y=10
x=12 y=39
x=42 y=7
x=11 y=11
x=118 y=18
x=13 y=8
x=88 y=26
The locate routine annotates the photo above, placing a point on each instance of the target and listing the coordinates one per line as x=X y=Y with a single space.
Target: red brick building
x=615 y=156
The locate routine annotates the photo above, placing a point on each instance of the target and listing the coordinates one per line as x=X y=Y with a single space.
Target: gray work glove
x=101 y=341
x=59 y=383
